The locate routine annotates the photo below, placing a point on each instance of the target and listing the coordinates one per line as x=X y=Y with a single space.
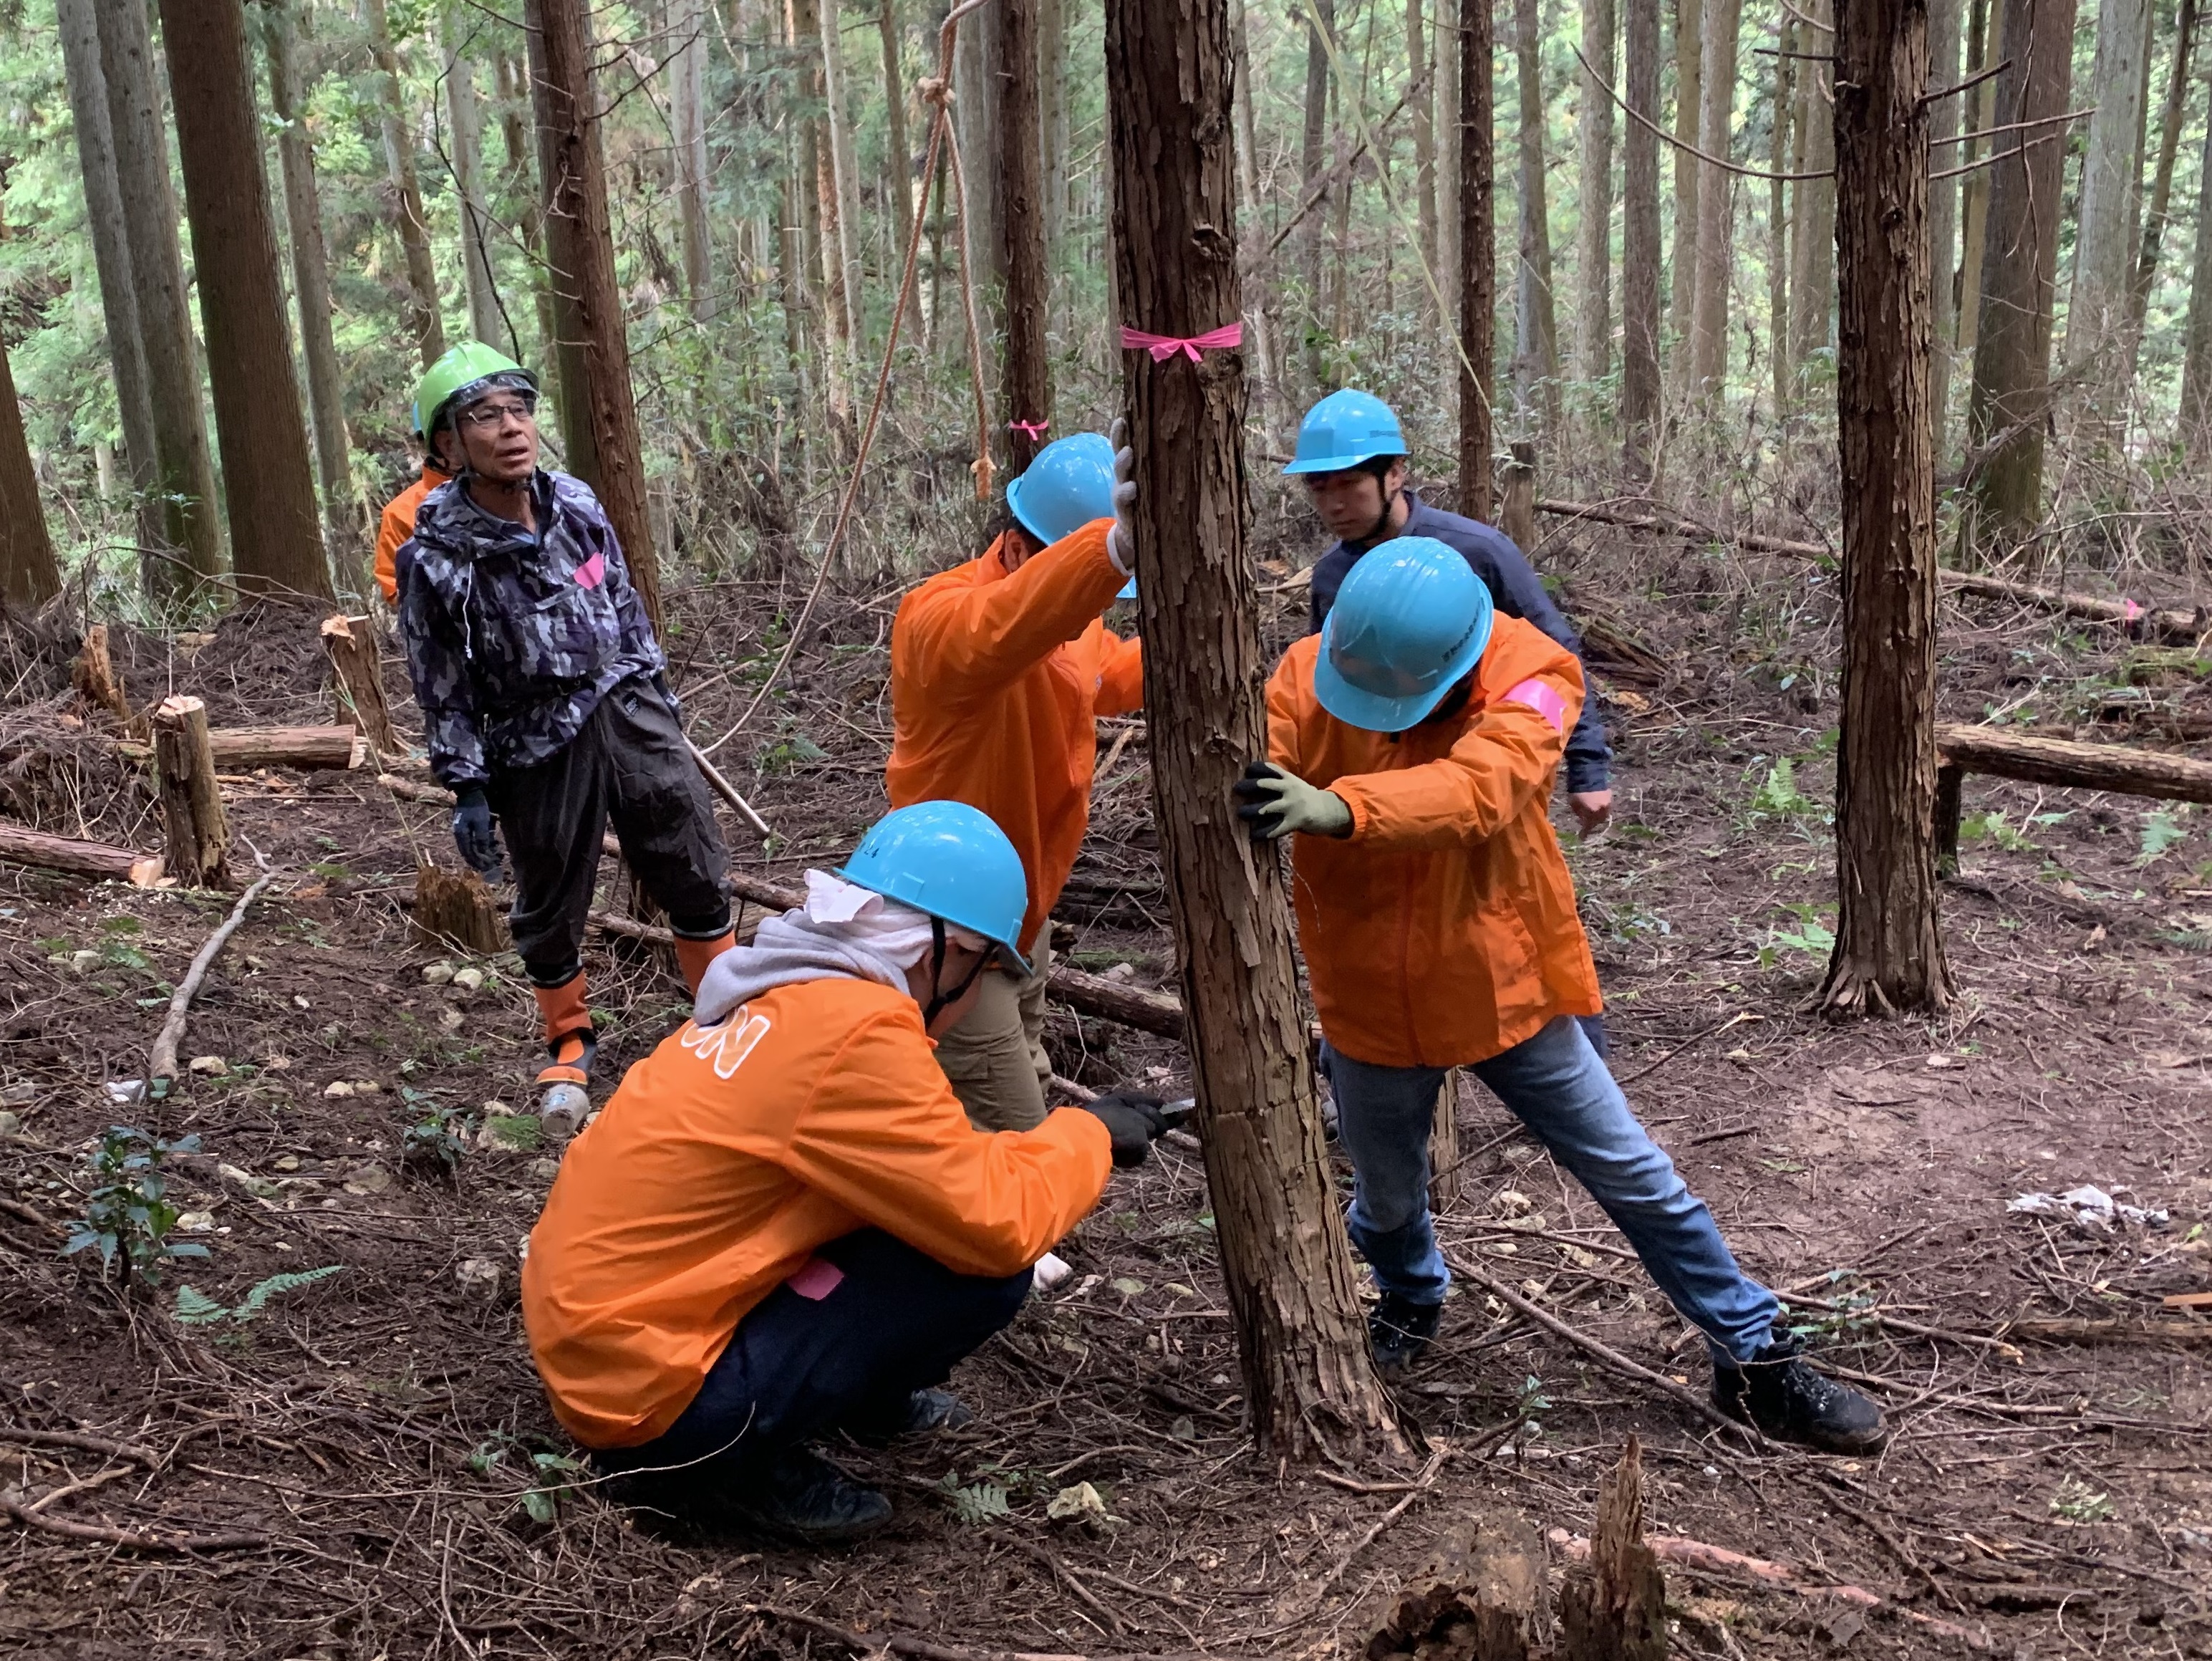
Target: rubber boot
x=692 y=957
x=564 y=1083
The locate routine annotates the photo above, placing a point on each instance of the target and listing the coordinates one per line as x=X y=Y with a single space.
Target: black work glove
x=473 y=833
x=1134 y=1122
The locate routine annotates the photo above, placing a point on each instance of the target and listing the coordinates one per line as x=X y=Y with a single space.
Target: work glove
x=1276 y=803
x=473 y=833
x=1121 y=541
x=1134 y=1122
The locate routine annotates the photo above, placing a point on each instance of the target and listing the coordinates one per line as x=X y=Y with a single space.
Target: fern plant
x=196 y=1308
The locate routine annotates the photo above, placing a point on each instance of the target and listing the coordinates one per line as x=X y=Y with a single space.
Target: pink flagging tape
x=1542 y=697
x=817 y=1277
x=1034 y=429
x=1164 y=347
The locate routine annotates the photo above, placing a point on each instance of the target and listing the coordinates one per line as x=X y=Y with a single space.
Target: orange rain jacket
x=1443 y=930
x=995 y=684
x=730 y=1153
x=397 y=525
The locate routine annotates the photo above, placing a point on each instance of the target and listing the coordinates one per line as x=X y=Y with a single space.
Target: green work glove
x=1276 y=803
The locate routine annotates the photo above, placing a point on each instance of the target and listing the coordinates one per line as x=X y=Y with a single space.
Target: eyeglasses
x=486 y=418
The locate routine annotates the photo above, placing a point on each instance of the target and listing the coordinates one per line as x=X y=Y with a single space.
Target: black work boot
x=801 y=1496
x=1399 y=1329
x=1778 y=1391
x=914 y=1413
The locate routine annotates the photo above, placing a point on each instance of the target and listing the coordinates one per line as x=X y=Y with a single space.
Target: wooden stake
x=356 y=685
x=198 y=830
x=21 y=845
x=95 y=679
x=454 y=908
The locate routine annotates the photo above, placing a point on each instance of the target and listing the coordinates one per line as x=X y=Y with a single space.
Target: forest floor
x=383 y=1433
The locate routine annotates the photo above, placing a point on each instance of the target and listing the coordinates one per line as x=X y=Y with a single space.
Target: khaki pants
x=994 y=1059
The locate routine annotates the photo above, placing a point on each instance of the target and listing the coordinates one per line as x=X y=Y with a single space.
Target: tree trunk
x=1943 y=26
x=1982 y=43
x=975 y=119
x=825 y=219
x=425 y=317
x=2012 y=349
x=1320 y=30
x=1308 y=1384
x=1777 y=223
x=1709 y=322
x=2103 y=269
x=1888 y=956
x=1689 y=109
x=1260 y=292
x=1478 y=269
x=563 y=262
x=1536 y=327
x=1639 y=246
x=276 y=538
x=111 y=253
x=198 y=831
x=1594 y=236
x=579 y=204
x=516 y=118
x=458 y=28
x=1444 y=17
x=2196 y=333
x=1813 y=280
x=311 y=287
x=183 y=468
x=1026 y=372
x=1421 y=95
x=28 y=575
x=844 y=174
x=2160 y=211
x=357 y=681
x=687 y=94
x=902 y=154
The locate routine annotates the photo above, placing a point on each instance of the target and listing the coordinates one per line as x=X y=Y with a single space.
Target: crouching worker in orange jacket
x=999 y=668
x=782 y=1225
x=1412 y=742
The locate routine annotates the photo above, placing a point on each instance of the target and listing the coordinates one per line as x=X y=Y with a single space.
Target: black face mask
x=940 y=1000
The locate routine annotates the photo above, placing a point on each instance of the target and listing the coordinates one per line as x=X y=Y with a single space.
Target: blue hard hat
x=1128 y=590
x=1344 y=429
x=949 y=860
x=1070 y=483
x=1411 y=619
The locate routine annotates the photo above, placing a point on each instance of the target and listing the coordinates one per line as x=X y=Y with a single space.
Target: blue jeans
x=891 y=1321
x=1555 y=1085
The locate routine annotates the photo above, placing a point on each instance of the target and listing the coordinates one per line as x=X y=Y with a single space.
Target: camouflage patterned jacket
x=512 y=638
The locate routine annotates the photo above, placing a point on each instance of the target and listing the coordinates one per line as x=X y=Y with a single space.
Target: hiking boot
x=1779 y=1393
x=915 y=1413
x=801 y=1496
x=1399 y=1329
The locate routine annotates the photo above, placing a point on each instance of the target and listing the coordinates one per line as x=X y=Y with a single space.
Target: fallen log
x=241 y=749
x=21 y=845
x=2064 y=1330
x=1964 y=749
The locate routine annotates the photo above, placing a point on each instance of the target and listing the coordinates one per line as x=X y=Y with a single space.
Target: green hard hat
x=464 y=374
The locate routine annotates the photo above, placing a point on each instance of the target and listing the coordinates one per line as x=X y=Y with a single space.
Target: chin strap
x=939 y=998
x=1381 y=530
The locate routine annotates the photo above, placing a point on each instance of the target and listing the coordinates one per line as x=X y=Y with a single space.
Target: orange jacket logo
x=725 y=1045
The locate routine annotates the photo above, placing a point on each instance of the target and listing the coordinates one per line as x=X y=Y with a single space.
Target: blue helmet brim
x=1128 y=591
x=1337 y=464
x=1373 y=712
x=1014 y=507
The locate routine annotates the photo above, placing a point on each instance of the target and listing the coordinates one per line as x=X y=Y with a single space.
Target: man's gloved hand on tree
x=1134 y=1121
x=1276 y=803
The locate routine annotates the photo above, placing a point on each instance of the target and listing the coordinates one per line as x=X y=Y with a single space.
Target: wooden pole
x=21 y=845
x=198 y=829
x=356 y=685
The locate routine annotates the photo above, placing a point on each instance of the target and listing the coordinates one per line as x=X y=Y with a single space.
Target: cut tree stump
x=96 y=681
x=356 y=683
x=1614 y=1607
x=21 y=845
x=192 y=817
x=1479 y=1597
x=1516 y=513
x=1444 y=1173
x=310 y=748
x=454 y=908
x=1965 y=749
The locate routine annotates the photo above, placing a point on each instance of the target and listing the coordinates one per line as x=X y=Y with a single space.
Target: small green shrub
x=127 y=1215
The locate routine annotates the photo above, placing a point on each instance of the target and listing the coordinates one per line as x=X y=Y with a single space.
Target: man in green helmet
x=544 y=698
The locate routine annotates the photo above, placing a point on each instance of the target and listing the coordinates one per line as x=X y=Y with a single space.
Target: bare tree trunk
x=1421 y=95
x=844 y=174
x=1944 y=26
x=311 y=287
x=2160 y=211
x=1889 y=956
x=1536 y=329
x=515 y=122
x=183 y=465
x=1445 y=17
x=578 y=202
x=277 y=543
x=902 y=156
x=1689 y=111
x=1478 y=270
x=1026 y=372
x=459 y=30
x=975 y=112
x=111 y=253
x=1813 y=280
x=1982 y=44
x=2104 y=268
x=2196 y=333
x=1709 y=323
x=1639 y=245
x=1783 y=375
x=426 y=319
x=28 y=574
x=1594 y=236
x=1265 y=357
x=687 y=96
x=573 y=405
x=1320 y=29
x=2012 y=352
x=1308 y=1384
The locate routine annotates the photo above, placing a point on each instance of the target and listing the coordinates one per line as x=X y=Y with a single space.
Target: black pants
x=628 y=763
x=869 y=1321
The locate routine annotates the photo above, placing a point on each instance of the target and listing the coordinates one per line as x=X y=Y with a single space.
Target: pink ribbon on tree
x=1033 y=430
x=1164 y=347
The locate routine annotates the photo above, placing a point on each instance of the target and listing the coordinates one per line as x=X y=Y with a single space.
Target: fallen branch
x=161 y=1062
x=1421 y=1485
x=2037 y=760
x=83 y=1441
x=21 y=845
x=130 y=1540
x=728 y=791
x=2051 y=1330
x=925 y=1649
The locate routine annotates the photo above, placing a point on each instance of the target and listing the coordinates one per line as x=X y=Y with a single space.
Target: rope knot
x=935 y=90
x=982 y=468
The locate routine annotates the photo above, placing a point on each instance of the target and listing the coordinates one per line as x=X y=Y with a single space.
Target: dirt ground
x=379 y=1436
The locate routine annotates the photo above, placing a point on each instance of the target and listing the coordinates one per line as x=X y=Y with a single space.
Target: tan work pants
x=994 y=1059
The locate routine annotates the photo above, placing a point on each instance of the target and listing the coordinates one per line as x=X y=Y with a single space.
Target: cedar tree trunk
x=426 y=317
x=1708 y=320
x=1639 y=245
x=1027 y=372
x=1689 y=71
x=1594 y=233
x=1536 y=328
x=28 y=575
x=1477 y=254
